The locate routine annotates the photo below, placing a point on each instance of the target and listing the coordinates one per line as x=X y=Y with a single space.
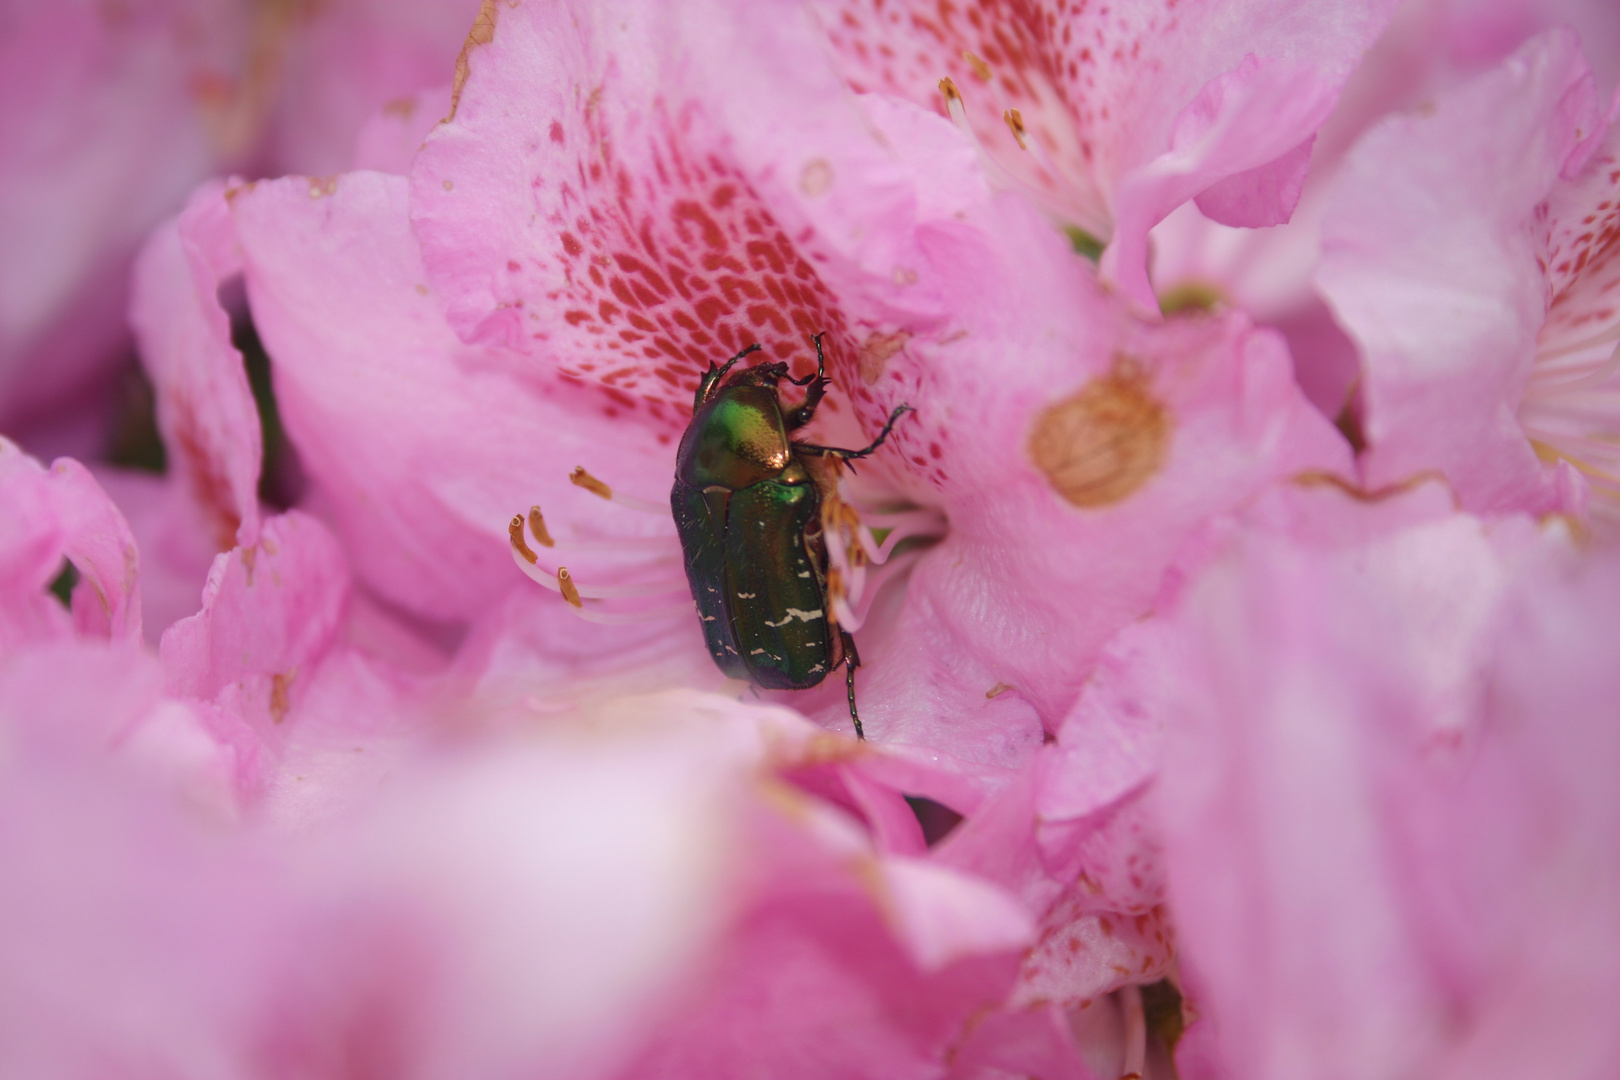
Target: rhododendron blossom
x=1214 y=727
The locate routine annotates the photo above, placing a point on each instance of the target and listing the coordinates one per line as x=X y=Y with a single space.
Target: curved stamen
x=1130 y=1000
x=629 y=617
x=528 y=562
x=580 y=478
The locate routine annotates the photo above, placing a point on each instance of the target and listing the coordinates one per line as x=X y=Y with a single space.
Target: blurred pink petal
x=205 y=408
x=114 y=112
x=103 y=136
x=49 y=516
x=1445 y=299
x=1348 y=809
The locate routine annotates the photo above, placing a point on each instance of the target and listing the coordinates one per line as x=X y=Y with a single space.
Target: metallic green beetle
x=749 y=515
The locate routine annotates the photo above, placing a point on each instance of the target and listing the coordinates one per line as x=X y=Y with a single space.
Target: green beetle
x=749 y=514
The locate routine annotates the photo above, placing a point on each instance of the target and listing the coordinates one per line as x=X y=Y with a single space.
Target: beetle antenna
x=821 y=363
x=712 y=377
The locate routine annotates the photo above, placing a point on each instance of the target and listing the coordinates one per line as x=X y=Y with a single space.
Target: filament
x=580 y=478
x=1130 y=1000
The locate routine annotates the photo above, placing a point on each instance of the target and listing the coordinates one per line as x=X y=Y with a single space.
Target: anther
x=980 y=68
x=1015 y=121
x=952 y=94
x=515 y=531
x=581 y=478
x=537 y=525
x=565 y=582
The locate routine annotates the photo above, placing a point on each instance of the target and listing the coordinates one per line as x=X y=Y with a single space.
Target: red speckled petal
x=423 y=446
x=1100 y=87
x=588 y=207
x=1583 y=242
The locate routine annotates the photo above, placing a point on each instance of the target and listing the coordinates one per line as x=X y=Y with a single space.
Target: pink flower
x=423 y=433
x=112 y=112
x=1111 y=116
x=1384 y=794
x=1496 y=371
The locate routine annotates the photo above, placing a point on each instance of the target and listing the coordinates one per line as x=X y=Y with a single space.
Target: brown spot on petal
x=875 y=352
x=1105 y=441
x=281 y=694
x=482 y=33
x=816 y=179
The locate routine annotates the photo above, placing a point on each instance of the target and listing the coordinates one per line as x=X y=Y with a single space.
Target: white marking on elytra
x=795 y=613
x=746 y=595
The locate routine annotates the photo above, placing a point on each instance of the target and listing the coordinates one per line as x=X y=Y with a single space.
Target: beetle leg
x=852 y=660
x=818 y=389
x=848 y=455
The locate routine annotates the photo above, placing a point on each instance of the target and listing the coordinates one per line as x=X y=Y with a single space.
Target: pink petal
x=175 y=542
x=720 y=242
x=943 y=916
x=1103 y=98
x=345 y=61
x=205 y=408
x=269 y=612
x=389 y=140
x=102 y=137
x=1445 y=363
x=1316 y=737
x=1245 y=138
x=52 y=516
x=423 y=448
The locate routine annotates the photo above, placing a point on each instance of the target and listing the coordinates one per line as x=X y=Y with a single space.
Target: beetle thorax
x=737 y=439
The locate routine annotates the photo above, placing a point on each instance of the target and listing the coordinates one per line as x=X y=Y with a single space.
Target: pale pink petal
x=722 y=240
x=55 y=515
x=1036 y=1042
x=205 y=408
x=268 y=614
x=943 y=916
x=1247 y=136
x=1102 y=91
x=175 y=542
x=389 y=140
x=345 y=60
x=1444 y=297
x=102 y=133
x=423 y=448
x=1327 y=698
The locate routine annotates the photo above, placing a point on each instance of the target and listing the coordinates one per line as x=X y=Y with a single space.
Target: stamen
x=1015 y=122
x=563 y=582
x=580 y=478
x=980 y=68
x=629 y=617
x=1130 y=1000
x=953 y=98
x=1596 y=377
x=537 y=525
x=519 y=547
x=565 y=585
